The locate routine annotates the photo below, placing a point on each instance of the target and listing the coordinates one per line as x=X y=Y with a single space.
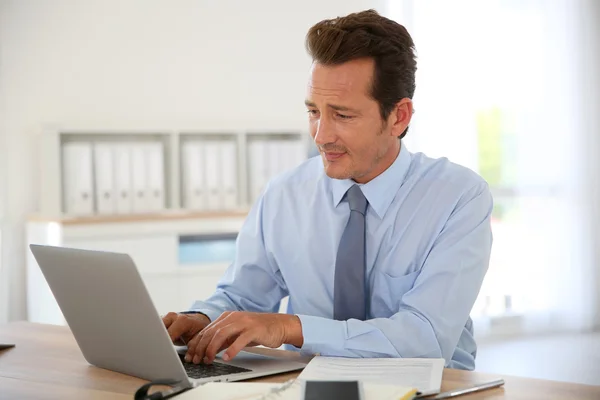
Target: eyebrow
x=332 y=106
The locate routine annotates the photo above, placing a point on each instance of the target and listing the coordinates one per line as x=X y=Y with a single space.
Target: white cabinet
x=154 y=245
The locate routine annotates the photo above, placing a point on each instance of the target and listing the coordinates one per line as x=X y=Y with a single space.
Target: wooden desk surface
x=47 y=364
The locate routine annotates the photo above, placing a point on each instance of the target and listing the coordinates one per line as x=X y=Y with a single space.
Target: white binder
x=193 y=176
x=212 y=174
x=258 y=167
x=139 y=178
x=122 y=178
x=229 y=181
x=300 y=152
x=104 y=179
x=274 y=156
x=155 y=184
x=296 y=153
x=287 y=155
x=78 y=179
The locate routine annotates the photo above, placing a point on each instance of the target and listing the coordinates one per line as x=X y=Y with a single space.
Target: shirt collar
x=381 y=190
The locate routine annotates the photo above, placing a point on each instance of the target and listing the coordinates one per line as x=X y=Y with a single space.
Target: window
x=496 y=92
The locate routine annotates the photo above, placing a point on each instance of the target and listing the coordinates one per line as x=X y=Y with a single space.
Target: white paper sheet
x=424 y=374
x=228 y=391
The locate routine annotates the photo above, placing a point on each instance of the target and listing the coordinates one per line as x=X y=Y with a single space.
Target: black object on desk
x=326 y=390
x=4 y=346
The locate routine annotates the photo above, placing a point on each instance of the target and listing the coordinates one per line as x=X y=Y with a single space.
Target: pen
x=477 y=388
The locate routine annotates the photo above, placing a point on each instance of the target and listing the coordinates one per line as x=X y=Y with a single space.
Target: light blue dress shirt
x=428 y=244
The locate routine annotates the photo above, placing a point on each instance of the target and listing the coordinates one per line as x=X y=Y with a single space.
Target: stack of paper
x=425 y=374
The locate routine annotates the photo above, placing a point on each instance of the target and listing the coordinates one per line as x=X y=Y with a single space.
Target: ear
x=400 y=116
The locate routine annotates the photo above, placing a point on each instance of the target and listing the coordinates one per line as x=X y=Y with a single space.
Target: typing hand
x=183 y=327
x=235 y=330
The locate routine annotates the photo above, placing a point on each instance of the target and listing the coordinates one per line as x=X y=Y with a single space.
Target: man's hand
x=235 y=330
x=183 y=327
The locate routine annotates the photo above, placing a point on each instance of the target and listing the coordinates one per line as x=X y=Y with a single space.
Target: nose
x=323 y=133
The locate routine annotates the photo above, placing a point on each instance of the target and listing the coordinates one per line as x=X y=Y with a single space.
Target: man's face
x=345 y=122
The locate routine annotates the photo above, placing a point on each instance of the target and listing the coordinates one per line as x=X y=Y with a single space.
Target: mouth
x=332 y=156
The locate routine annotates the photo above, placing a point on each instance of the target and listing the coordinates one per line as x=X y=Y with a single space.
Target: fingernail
x=206 y=360
x=196 y=360
x=188 y=358
x=226 y=357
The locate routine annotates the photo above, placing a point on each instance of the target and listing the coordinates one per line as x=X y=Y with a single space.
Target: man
x=381 y=251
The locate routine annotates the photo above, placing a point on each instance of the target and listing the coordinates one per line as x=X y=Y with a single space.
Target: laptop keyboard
x=198 y=371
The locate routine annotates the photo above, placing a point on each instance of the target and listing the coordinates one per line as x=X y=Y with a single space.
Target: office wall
x=589 y=81
x=3 y=275
x=142 y=64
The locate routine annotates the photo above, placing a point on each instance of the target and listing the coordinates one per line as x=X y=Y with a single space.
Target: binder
x=229 y=182
x=123 y=186
x=288 y=159
x=155 y=187
x=139 y=178
x=299 y=151
x=78 y=179
x=293 y=153
x=257 y=167
x=193 y=176
x=274 y=158
x=212 y=174
x=104 y=179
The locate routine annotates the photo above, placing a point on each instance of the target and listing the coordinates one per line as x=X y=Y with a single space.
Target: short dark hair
x=367 y=34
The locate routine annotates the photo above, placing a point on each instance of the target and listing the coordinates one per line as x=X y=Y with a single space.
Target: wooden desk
x=47 y=364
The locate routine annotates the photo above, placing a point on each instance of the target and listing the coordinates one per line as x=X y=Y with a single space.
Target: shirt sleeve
x=433 y=313
x=253 y=281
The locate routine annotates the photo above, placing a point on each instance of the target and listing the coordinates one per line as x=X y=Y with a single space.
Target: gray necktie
x=349 y=283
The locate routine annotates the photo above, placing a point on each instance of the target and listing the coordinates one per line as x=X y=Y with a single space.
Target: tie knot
x=356 y=199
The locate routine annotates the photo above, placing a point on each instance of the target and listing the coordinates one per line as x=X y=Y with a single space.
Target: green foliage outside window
x=496 y=147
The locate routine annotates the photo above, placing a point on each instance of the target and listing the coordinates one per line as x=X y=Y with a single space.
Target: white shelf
x=293 y=148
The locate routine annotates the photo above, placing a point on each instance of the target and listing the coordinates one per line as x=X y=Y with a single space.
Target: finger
x=222 y=338
x=207 y=336
x=179 y=327
x=204 y=340
x=195 y=341
x=209 y=331
x=242 y=341
x=169 y=319
x=191 y=347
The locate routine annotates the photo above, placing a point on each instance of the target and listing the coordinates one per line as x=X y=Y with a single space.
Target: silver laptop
x=117 y=327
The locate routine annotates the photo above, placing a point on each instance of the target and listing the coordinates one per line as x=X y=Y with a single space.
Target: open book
x=288 y=391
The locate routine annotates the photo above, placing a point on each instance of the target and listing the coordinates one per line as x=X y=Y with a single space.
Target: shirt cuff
x=322 y=336
x=203 y=308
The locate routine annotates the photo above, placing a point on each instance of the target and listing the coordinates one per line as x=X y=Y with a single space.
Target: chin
x=335 y=172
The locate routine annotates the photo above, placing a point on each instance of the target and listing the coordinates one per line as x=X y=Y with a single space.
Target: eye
x=312 y=113
x=343 y=116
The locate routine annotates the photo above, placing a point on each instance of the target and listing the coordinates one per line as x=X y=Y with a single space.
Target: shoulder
x=445 y=176
x=448 y=186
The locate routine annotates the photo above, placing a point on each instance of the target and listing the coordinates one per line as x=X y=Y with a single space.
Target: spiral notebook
x=291 y=390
